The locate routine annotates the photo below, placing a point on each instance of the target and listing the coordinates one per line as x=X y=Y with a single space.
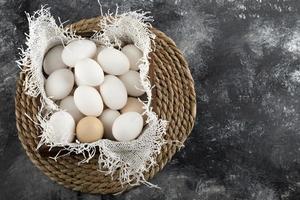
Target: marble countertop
x=245 y=59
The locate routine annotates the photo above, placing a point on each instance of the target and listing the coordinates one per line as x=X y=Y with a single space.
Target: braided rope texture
x=174 y=100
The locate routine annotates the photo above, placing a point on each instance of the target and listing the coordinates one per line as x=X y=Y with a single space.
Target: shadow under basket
x=174 y=100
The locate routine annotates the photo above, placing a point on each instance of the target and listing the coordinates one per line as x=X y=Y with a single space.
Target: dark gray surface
x=245 y=59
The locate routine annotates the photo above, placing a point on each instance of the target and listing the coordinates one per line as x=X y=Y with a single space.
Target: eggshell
x=89 y=129
x=132 y=82
x=113 y=61
x=52 y=60
x=113 y=92
x=68 y=104
x=134 y=55
x=108 y=117
x=133 y=105
x=88 y=100
x=127 y=126
x=88 y=72
x=77 y=50
x=99 y=48
x=59 y=84
x=63 y=127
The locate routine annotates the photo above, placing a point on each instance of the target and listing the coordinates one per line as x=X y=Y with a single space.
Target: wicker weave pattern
x=174 y=100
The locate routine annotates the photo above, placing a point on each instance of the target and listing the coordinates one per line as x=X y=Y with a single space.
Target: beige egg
x=68 y=104
x=132 y=82
x=88 y=72
x=59 y=84
x=63 y=127
x=108 y=117
x=113 y=61
x=134 y=55
x=52 y=60
x=133 y=105
x=127 y=126
x=113 y=92
x=77 y=50
x=89 y=129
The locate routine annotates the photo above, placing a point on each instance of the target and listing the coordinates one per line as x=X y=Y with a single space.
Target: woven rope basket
x=173 y=99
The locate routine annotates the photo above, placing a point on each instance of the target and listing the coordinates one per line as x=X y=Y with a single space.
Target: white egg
x=68 y=104
x=59 y=84
x=113 y=61
x=134 y=55
x=77 y=81
x=88 y=101
x=88 y=72
x=52 y=60
x=127 y=126
x=77 y=50
x=132 y=82
x=99 y=48
x=63 y=127
x=113 y=92
x=107 y=118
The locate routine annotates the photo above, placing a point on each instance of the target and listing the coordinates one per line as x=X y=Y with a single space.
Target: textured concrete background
x=245 y=59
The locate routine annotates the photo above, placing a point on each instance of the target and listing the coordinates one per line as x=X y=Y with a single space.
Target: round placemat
x=174 y=100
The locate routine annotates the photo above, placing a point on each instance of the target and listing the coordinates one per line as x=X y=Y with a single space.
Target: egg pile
x=97 y=89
